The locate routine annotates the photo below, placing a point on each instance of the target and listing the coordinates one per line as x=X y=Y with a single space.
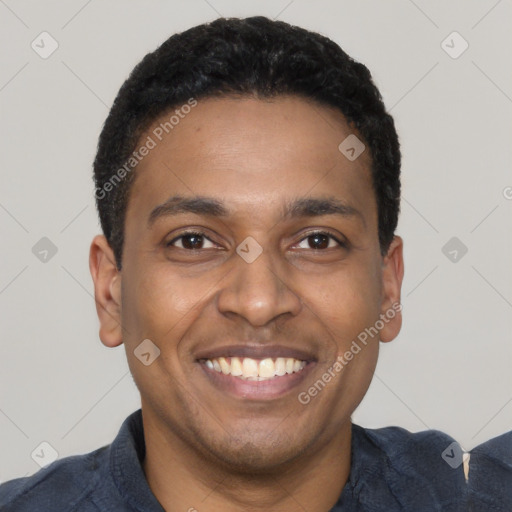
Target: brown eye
x=191 y=241
x=320 y=240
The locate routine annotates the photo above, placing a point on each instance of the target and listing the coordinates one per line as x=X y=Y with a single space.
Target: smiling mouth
x=249 y=369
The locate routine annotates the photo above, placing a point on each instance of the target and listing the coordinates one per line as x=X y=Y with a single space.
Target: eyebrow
x=199 y=205
x=209 y=206
x=316 y=207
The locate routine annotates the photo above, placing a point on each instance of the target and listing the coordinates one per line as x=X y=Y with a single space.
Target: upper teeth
x=254 y=369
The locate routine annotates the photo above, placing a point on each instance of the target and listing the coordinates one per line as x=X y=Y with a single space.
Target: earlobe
x=392 y=277
x=107 y=291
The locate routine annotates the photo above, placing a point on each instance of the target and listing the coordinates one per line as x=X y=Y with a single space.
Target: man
x=247 y=183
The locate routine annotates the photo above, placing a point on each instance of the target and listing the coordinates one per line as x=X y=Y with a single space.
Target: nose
x=257 y=293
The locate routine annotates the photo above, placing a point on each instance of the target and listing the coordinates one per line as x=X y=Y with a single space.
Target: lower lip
x=254 y=389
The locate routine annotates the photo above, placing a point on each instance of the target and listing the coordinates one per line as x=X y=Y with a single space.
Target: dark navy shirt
x=490 y=476
x=392 y=470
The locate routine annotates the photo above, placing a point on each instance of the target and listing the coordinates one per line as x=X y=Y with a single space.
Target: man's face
x=270 y=178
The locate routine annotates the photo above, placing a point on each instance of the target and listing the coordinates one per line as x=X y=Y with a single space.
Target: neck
x=184 y=480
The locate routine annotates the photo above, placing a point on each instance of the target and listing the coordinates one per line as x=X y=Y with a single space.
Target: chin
x=257 y=454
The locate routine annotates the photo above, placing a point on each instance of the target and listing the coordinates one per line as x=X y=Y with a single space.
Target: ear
x=392 y=276
x=107 y=291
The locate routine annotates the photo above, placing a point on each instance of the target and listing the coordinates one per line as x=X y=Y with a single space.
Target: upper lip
x=255 y=351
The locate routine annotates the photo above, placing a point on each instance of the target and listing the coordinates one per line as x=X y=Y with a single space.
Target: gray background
x=449 y=369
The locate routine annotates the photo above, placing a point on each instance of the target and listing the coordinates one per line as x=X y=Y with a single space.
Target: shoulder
x=490 y=474
x=408 y=470
x=399 y=442
x=498 y=449
x=66 y=484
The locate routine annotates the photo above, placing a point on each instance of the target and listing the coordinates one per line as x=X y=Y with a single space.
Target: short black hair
x=255 y=57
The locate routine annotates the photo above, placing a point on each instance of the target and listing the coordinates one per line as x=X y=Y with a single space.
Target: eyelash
x=313 y=233
x=185 y=234
x=340 y=243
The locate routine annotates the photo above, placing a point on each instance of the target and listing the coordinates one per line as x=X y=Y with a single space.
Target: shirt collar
x=390 y=468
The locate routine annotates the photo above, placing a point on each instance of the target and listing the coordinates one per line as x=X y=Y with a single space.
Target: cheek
x=161 y=303
x=160 y=307
x=346 y=302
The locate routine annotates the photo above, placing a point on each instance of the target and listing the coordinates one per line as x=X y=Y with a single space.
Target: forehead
x=249 y=152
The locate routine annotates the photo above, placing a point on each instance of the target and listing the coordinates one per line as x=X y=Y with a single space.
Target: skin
x=205 y=448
